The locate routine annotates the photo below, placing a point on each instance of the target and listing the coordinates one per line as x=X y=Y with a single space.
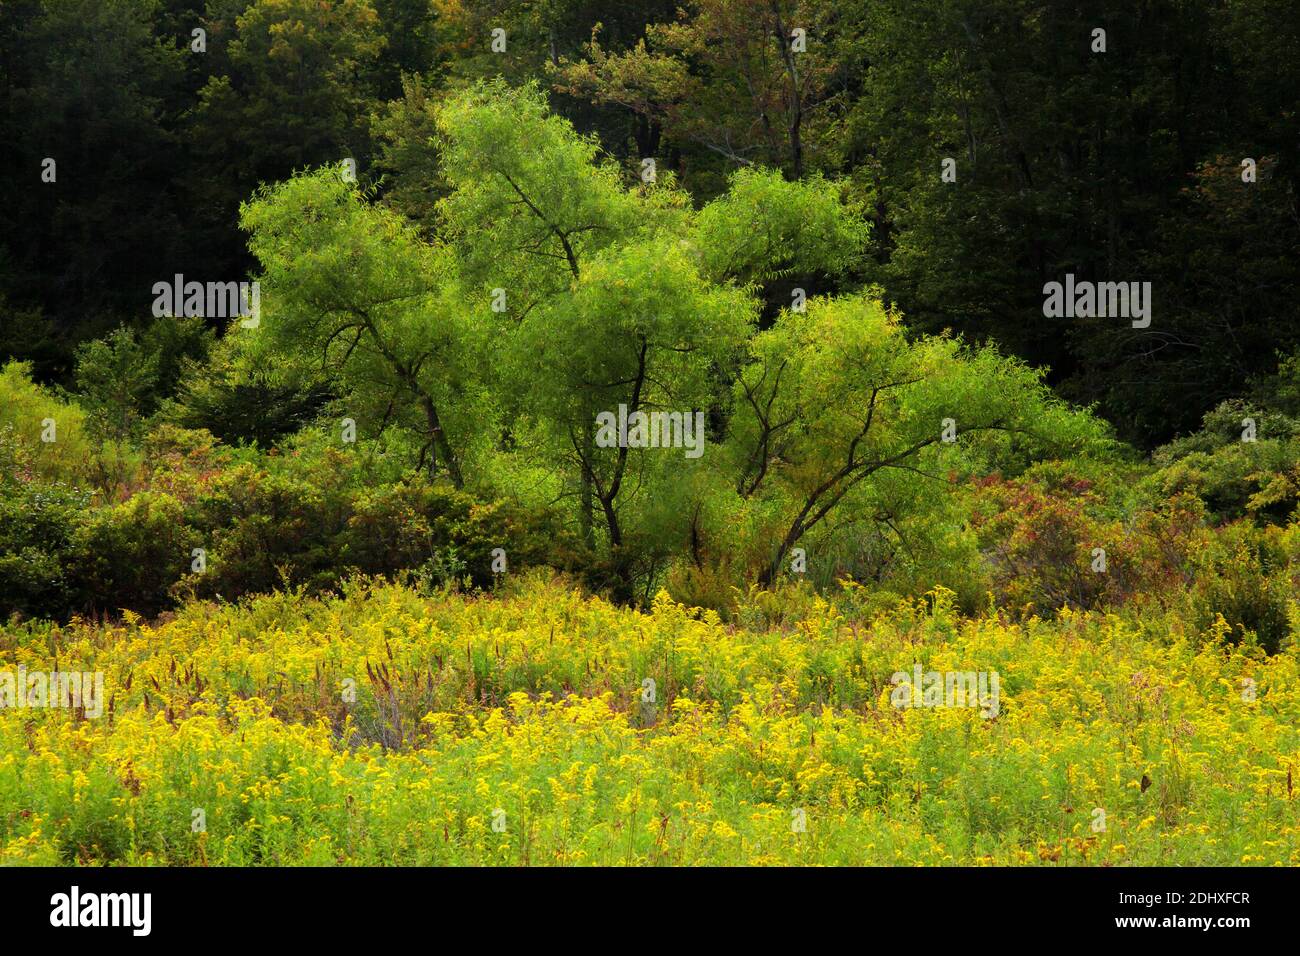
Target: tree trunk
x=623 y=590
x=439 y=443
x=792 y=536
x=796 y=98
x=586 y=495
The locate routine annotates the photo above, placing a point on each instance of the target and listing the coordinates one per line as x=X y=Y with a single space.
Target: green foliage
x=1242 y=587
x=24 y=410
x=29 y=335
x=1067 y=160
x=316 y=518
x=310 y=517
x=410 y=163
x=1245 y=458
x=1070 y=160
x=37 y=555
x=529 y=202
x=294 y=93
x=839 y=415
x=244 y=398
x=175 y=344
x=495 y=342
x=720 y=81
x=886 y=469
x=116 y=379
x=87 y=83
x=351 y=290
x=765 y=226
x=128 y=555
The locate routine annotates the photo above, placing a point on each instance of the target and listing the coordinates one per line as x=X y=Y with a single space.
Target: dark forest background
x=1105 y=165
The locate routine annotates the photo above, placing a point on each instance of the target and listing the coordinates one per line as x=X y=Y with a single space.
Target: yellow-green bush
x=25 y=410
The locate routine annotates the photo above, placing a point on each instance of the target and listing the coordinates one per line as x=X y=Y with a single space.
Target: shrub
x=116 y=380
x=265 y=530
x=312 y=522
x=1242 y=577
x=37 y=525
x=1257 y=478
x=417 y=524
x=308 y=518
x=24 y=407
x=1052 y=544
x=128 y=555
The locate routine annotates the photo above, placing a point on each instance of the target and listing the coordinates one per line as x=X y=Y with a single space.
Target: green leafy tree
x=787 y=241
x=839 y=413
x=298 y=93
x=529 y=206
x=88 y=86
x=117 y=379
x=350 y=288
x=124 y=378
x=1114 y=165
x=641 y=332
x=730 y=78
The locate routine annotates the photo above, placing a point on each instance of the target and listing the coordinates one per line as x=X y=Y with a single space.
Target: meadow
x=540 y=726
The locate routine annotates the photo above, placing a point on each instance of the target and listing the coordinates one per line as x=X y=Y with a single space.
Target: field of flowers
x=539 y=726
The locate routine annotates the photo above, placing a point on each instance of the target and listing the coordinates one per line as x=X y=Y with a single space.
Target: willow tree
x=350 y=288
x=562 y=294
x=840 y=415
x=613 y=294
x=530 y=204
